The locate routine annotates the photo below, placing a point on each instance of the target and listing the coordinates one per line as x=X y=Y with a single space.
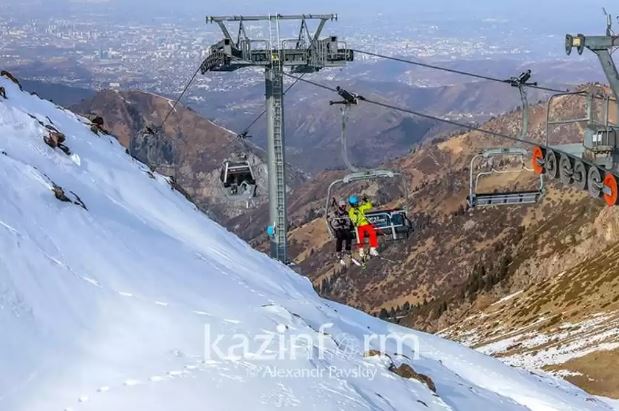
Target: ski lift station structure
x=592 y=165
x=307 y=53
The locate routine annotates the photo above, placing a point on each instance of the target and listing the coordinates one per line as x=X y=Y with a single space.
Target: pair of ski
x=363 y=262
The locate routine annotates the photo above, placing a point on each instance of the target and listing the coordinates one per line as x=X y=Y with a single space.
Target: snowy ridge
x=109 y=307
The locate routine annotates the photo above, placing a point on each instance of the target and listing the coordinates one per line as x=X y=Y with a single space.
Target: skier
x=342 y=228
x=362 y=225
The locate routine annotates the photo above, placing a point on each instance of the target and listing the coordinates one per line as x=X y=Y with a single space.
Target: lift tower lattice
x=306 y=53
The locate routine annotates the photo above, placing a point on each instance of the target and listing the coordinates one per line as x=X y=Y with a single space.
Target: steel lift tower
x=306 y=53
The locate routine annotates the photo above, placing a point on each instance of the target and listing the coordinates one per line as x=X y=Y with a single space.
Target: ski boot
x=361 y=262
x=340 y=258
x=348 y=258
x=374 y=252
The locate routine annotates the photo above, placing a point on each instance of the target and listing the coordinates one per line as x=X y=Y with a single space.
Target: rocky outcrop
x=154 y=149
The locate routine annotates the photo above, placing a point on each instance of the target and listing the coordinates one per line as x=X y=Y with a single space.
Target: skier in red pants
x=362 y=224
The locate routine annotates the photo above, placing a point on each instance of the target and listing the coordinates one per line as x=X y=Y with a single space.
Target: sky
x=544 y=16
x=549 y=10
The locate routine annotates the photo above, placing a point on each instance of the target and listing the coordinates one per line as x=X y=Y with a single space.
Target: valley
x=125 y=245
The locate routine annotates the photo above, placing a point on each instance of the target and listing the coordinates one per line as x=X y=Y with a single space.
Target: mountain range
x=119 y=293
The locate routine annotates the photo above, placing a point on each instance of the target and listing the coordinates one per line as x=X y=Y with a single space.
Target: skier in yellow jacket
x=362 y=224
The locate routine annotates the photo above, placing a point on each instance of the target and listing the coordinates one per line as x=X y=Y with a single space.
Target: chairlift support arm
x=522 y=83
x=602 y=47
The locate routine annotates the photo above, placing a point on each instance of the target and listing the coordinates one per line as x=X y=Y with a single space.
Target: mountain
x=190 y=147
x=567 y=324
x=375 y=135
x=493 y=253
x=118 y=293
x=458 y=262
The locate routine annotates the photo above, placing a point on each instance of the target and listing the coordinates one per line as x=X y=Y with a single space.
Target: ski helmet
x=353 y=200
x=341 y=204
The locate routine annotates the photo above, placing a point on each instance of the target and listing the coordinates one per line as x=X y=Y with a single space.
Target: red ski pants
x=369 y=230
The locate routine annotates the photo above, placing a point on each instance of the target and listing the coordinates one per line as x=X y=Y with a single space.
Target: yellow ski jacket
x=357 y=214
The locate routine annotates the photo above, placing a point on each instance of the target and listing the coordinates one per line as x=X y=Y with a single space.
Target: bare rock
x=59 y=194
x=406 y=371
x=11 y=77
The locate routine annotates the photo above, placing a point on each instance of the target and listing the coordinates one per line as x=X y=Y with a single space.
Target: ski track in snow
x=132 y=382
x=9 y=228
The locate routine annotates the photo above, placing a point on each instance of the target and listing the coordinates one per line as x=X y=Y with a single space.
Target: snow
x=111 y=308
x=507 y=298
x=611 y=402
x=597 y=333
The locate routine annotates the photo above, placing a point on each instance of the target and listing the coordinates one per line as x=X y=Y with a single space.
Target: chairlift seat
x=238 y=180
x=504 y=198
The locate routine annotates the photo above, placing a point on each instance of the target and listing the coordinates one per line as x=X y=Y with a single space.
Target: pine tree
x=383 y=315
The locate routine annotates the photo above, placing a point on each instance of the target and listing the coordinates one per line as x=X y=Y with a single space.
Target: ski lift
x=349 y=99
x=588 y=165
x=237 y=177
x=392 y=224
x=482 y=199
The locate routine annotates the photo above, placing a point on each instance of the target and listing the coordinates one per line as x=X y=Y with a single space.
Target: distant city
x=160 y=57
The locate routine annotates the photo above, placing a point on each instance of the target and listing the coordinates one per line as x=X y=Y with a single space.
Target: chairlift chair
x=483 y=199
x=392 y=224
x=237 y=178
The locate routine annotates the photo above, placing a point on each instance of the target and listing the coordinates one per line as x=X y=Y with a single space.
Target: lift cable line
x=178 y=99
x=591 y=165
x=245 y=133
x=420 y=114
x=461 y=72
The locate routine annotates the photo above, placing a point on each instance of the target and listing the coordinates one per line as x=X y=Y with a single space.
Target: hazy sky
x=559 y=15
x=561 y=8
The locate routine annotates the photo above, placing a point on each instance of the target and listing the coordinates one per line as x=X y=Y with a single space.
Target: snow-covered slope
x=113 y=307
